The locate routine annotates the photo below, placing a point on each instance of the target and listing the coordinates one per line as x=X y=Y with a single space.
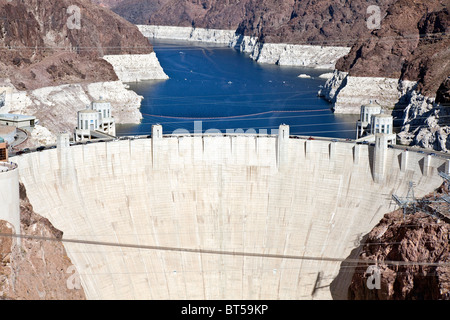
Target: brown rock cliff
x=417 y=238
x=42 y=48
x=38 y=269
x=412 y=44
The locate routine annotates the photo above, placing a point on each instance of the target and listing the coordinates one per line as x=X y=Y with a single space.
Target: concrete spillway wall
x=9 y=195
x=271 y=200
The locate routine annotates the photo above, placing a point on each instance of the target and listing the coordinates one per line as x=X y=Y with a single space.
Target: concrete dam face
x=219 y=217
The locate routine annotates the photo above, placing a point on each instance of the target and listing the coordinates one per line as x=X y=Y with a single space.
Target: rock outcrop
x=38 y=269
x=418 y=237
x=62 y=42
x=411 y=44
x=214 y=14
x=56 y=107
x=136 y=67
x=219 y=36
x=335 y=23
x=425 y=122
x=319 y=57
x=348 y=93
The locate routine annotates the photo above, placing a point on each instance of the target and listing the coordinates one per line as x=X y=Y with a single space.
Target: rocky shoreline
x=348 y=93
x=423 y=120
x=56 y=107
x=425 y=123
x=136 y=67
x=319 y=57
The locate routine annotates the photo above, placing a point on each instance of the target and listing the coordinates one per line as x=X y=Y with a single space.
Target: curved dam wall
x=228 y=217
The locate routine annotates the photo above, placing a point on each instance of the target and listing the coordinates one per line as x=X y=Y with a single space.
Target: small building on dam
x=220 y=216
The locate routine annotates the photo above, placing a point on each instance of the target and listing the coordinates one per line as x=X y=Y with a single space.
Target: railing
x=26 y=138
x=248 y=134
x=7 y=166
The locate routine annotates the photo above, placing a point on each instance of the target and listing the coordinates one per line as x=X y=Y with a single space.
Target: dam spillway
x=272 y=199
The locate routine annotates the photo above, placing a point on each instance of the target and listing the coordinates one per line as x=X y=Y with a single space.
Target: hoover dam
x=214 y=216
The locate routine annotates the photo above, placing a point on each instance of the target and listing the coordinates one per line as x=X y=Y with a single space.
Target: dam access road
x=220 y=216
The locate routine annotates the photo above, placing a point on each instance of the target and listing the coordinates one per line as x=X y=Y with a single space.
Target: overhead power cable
x=237 y=116
x=223 y=252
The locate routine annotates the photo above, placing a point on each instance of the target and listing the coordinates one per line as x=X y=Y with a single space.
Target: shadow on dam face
x=339 y=285
x=216 y=217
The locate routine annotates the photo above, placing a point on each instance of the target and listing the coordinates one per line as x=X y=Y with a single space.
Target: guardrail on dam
x=219 y=217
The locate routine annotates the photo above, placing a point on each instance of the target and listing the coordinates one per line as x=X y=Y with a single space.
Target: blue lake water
x=214 y=87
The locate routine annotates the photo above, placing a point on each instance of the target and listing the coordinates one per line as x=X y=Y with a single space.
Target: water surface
x=224 y=89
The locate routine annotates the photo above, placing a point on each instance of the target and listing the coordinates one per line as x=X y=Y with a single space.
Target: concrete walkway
x=22 y=136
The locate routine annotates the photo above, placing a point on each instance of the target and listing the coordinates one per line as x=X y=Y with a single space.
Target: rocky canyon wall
x=320 y=57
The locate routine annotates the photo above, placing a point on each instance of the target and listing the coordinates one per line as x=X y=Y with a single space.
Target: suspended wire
x=328 y=276
x=232 y=117
x=225 y=118
x=267 y=118
x=296 y=93
x=271 y=127
x=223 y=252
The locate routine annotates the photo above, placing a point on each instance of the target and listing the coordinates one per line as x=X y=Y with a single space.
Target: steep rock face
x=107 y=3
x=425 y=123
x=429 y=63
x=135 y=67
x=417 y=238
x=49 y=49
x=38 y=269
x=443 y=93
x=216 y=14
x=410 y=51
x=334 y=23
x=410 y=45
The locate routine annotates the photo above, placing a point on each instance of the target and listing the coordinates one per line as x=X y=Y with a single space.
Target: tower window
x=2 y=154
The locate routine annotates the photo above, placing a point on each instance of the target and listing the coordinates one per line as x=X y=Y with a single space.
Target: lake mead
x=226 y=90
